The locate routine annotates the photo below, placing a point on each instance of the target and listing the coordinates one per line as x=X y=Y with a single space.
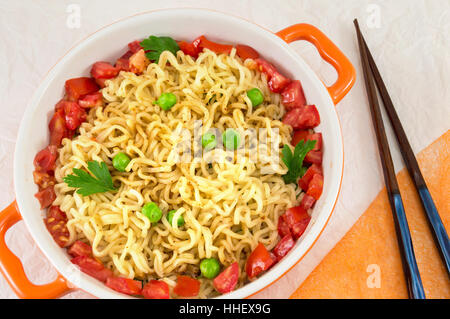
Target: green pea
x=231 y=139
x=210 y=267
x=256 y=96
x=166 y=101
x=209 y=141
x=180 y=221
x=152 y=212
x=121 y=161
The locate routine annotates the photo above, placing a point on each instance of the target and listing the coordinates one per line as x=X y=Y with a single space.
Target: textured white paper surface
x=409 y=40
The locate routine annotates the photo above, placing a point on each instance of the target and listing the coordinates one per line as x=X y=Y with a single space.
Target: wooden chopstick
x=410 y=269
x=440 y=235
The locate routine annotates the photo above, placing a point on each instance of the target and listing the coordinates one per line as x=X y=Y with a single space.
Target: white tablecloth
x=409 y=40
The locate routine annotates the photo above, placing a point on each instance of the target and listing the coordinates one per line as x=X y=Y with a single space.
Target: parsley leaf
x=287 y=155
x=294 y=162
x=154 y=46
x=87 y=184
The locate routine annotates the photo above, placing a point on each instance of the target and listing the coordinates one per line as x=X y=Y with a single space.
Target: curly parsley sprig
x=154 y=46
x=87 y=184
x=294 y=161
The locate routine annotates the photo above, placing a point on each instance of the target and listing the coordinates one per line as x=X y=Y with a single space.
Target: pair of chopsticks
x=412 y=275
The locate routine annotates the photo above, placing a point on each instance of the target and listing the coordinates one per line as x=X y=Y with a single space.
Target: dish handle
x=329 y=52
x=12 y=268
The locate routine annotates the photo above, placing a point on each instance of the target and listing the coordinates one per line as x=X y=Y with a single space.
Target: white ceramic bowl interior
x=184 y=24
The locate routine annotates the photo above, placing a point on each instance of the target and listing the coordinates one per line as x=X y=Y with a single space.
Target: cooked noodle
x=228 y=206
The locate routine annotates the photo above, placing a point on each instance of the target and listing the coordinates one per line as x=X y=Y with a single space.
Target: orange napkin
x=370 y=247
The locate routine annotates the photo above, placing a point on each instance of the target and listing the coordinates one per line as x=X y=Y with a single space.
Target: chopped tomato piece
x=227 y=279
x=44 y=161
x=278 y=82
x=55 y=222
x=297 y=219
x=318 y=138
x=104 y=70
x=304 y=181
x=187 y=286
x=266 y=68
x=302 y=117
x=283 y=246
x=293 y=215
x=80 y=248
x=274 y=258
x=283 y=227
x=196 y=44
x=203 y=43
x=75 y=115
x=293 y=96
x=92 y=267
x=138 y=62
x=76 y=88
x=246 y=52
x=91 y=100
x=134 y=46
x=315 y=186
x=307 y=201
x=299 y=228
x=43 y=180
x=314 y=157
x=124 y=285
x=304 y=135
x=57 y=127
x=46 y=196
x=55 y=213
x=156 y=289
x=127 y=54
x=102 y=82
x=123 y=64
x=60 y=105
x=258 y=261
x=189 y=48
x=299 y=135
x=311 y=117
